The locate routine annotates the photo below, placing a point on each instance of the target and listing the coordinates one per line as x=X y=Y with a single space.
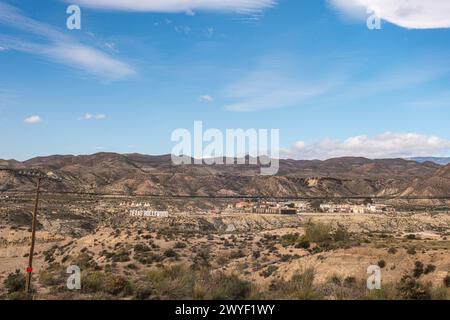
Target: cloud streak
x=411 y=14
x=177 y=6
x=268 y=89
x=90 y=116
x=206 y=98
x=33 y=119
x=53 y=44
x=386 y=145
x=274 y=84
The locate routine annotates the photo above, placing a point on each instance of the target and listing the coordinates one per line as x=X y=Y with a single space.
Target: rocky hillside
x=143 y=175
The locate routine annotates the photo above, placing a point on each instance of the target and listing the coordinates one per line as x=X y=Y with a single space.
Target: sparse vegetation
x=418 y=269
x=392 y=250
x=299 y=287
x=195 y=258
x=180 y=245
x=170 y=253
x=108 y=283
x=381 y=264
x=447 y=281
x=410 y=289
x=15 y=282
x=54 y=275
x=317 y=232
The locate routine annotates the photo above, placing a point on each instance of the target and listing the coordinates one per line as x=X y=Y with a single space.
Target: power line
x=162 y=196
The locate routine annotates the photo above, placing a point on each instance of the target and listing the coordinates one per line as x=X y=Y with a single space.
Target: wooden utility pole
x=33 y=239
x=33 y=173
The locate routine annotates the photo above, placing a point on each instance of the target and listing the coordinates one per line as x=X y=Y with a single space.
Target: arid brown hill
x=143 y=174
x=437 y=184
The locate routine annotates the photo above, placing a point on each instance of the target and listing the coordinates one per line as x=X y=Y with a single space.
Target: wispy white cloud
x=386 y=145
x=401 y=78
x=186 y=6
x=32 y=119
x=183 y=29
x=90 y=116
x=53 y=44
x=413 y=14
x=268 y=88
x=206 y=98
x=285 y=82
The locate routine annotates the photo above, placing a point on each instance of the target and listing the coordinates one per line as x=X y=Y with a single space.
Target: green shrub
x=237 y=254
x=447 y=281
x=84 y=261
x=223 y=287
x=180 y=282
x=341 y=235
x=141 y=248
x=381 y=264
x=418 y=269
x=429 y=269
x=148 y=257
x=317 y=232
x=180 y=245
x=289 y=239
x=269 y=271
x=350 y=282
x=115 y=285
x=392 y=250
x=175 y=282
x=54 y=275
x=121 y=256
x=201 y=259
x=100 y=282
x=19 y=295
x=92 y=281
x=15 y=282
x=256 y=254
x=302 y=285
x=410 y=289
x=170 y=253
x=143 y=291
x=299 y=287
x=221 y=260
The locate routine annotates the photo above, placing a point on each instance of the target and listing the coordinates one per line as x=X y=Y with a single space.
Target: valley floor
x=188 y=256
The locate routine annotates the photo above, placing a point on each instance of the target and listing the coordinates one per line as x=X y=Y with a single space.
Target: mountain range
x=442 y=160
x=138 y=174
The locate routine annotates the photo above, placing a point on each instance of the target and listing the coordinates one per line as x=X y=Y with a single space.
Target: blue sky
x=138 y=70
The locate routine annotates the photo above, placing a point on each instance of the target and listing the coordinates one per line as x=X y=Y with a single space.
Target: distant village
x=286 y=207
x=298 y=207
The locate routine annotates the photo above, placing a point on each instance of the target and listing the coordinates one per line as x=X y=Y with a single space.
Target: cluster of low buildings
x=272 y=207
x=285 y=207
x=354 y=208
x=298 y=207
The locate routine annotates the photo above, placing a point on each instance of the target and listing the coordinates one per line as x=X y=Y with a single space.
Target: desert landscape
x=140 y=228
